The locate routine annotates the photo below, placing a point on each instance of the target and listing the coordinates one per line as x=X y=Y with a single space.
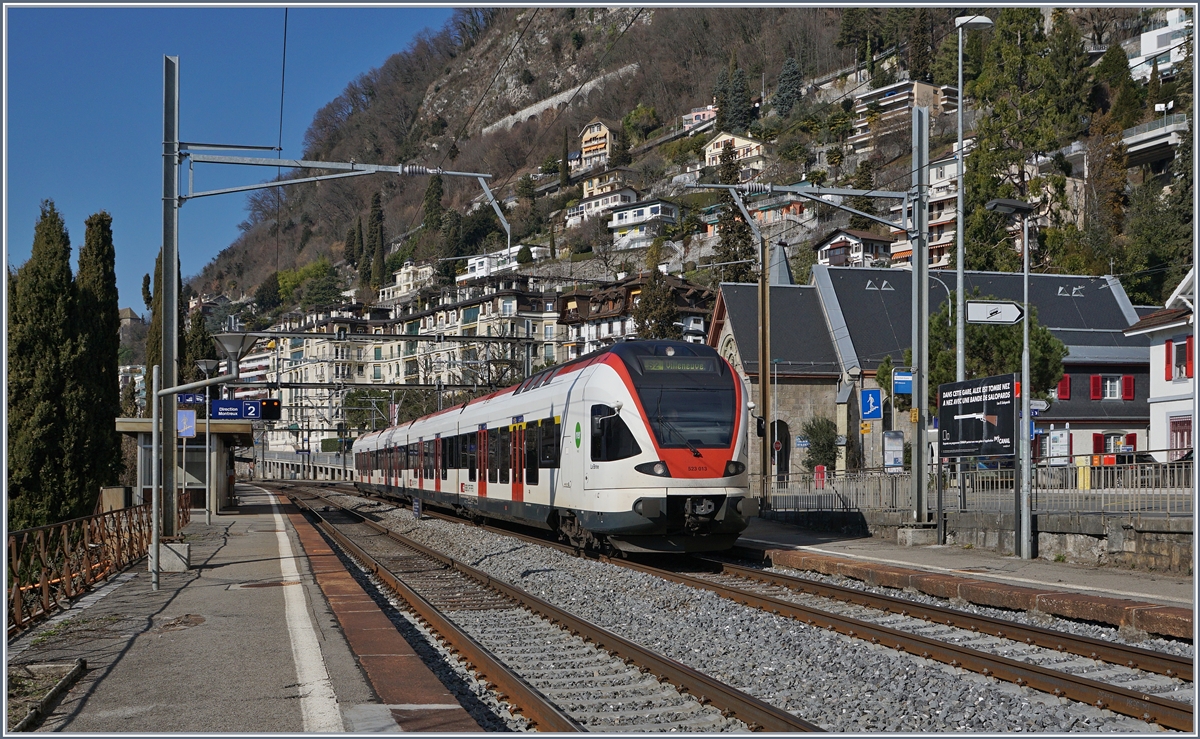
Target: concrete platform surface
x=1155 y=602
x=245 y=641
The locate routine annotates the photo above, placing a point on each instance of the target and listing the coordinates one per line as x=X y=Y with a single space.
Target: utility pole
x=169 y=305
x=919 y=235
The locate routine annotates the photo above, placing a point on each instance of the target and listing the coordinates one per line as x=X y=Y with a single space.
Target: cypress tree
x=376 y=240
x=720 y=100
x=433 y=203
x=360 y=246
x=741 y=109
x=154 y=332
x=198 y=344
x=655 y=314
x=349 y=251
x=564 y=167
x=42 y=345
x=620 y=156
x=736 y=240
x=99 y=324
x=790 y=87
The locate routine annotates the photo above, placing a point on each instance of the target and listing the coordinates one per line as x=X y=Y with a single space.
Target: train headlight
x=734 y=468
x=658 y=469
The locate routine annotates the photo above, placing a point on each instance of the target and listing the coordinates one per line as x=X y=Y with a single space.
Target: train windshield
x=688 y=395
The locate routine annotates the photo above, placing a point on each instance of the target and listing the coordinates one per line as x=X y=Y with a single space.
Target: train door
x=481 y=447
x=437 y=463
x=420 y=463
x=517 y=453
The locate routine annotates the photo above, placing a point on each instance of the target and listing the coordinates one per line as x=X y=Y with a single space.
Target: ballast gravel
x=841 y=683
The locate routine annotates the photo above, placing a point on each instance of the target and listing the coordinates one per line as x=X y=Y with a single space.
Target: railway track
x=1131 y=681
x=563 y=673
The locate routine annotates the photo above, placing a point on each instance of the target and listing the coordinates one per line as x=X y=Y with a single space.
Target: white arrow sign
x=1038 y=405
x=993 y=311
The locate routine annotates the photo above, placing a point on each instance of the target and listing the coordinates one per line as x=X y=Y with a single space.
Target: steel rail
x=1168 y=713
x=756 y=714
x=534 y=706
x=1118 y=654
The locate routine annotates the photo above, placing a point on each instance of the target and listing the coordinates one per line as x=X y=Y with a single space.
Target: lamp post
x=208 y=366
x=1023 y=209
x=235 y=347
x=965 y=23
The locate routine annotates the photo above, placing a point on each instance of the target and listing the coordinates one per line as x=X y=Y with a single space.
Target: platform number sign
x=251 y=409
x=872 y=405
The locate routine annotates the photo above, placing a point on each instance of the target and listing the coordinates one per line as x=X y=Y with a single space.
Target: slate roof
x=1164 y=317
x=799 y=335
x=1088 y=314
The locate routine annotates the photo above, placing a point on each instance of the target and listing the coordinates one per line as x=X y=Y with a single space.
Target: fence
x=1079 y=484
x=50 y=564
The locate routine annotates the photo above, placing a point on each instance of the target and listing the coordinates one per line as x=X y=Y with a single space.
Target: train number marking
x=697 y=468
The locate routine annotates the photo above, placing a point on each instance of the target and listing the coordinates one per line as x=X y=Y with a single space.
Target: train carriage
x=641 y=446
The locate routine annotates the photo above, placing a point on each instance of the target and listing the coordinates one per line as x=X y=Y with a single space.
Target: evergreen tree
x=197 y=344
x=791 y=87
x=154 y=331
x=564 y=167
x=351 y=249
x=920 y=49
x=656 y=314
x=266 y=297
x=147 y=296
x=1154 y=86
x=526 y=190
x=553 y=248
x=741 y=107
x=864 y=179
x=525 y=255
x=360 y=244
x=620 y=155
x=374 y=243
x=451 y=244
x=721 y=100
x=97 y=385
x=736 y=242
x=1067 y=87
x=433 y=203
x=42 y=348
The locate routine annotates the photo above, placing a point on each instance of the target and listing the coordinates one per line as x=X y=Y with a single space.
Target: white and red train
x=641 y=445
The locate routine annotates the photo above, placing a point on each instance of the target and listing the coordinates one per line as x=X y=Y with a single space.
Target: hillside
x=437 y=95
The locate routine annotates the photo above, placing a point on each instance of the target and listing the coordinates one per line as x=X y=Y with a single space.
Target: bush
x=822 y=443
x=526 y=77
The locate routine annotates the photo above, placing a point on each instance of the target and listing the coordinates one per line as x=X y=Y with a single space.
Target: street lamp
x=965 y=23
x=208 y=366
x=1023 y=209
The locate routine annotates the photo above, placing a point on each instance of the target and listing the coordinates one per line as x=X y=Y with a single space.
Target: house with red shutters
x=1172 y=370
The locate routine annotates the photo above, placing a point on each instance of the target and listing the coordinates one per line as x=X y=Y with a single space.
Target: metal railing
x=1077 y=484
x=51 y=564
x=1154 y=124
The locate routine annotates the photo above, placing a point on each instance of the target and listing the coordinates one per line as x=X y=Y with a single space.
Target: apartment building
x=889 y=109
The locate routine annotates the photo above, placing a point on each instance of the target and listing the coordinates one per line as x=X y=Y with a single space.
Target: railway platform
x=266 y=632
x=1155 y=603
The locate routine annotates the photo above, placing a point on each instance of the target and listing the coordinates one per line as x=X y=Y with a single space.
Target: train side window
x=531 y=453
x=469 y=441
x=550 y=432
x=429 y=460
x=447 y=450
x=611 y=438
x=493 y=438
x=505 y=454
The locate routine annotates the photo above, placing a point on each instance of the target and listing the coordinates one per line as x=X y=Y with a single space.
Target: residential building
x=1172 y=371
x=406 y=281
x=847 y=247
x=596 y=142
x=599 y=205
x=504 y=260
x=864 y=315
x=635 y=226
x=943 y=208
x=597 y=317
x=609 y=180
x=749 y=154
x=1165 y=42
x=770 y=210
x=698 y=116
x=128 y=317
x=889 y=109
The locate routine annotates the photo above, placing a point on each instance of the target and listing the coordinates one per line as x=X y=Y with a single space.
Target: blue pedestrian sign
x=901 y=383
x=227 y=409
x=872 y=405
x=185 y=424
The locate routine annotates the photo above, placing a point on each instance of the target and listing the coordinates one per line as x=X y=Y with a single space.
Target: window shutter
x=1169 y=372
x=1131 y=440
x=1127 y=387
x=1064 y=388
x=1097 y=443
x=1097 y=388
x=1190 y=368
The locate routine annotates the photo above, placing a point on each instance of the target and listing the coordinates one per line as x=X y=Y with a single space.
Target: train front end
x=671 y=461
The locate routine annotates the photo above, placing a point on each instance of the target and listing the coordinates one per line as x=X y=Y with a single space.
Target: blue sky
x=83 y=123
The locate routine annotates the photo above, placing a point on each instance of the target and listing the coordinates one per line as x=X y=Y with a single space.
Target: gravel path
x=841 y=683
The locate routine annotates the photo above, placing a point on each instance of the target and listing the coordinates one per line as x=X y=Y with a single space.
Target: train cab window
x=611 y=438
x=505 y=454
x=548 y=444
x=493 y=453
x=531 y=453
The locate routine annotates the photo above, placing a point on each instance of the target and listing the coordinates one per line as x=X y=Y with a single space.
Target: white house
x=405 y=281
x=600 y=204
x=749 y=154
x=504 y=260
x=1172 y=371
x=698 y=116
x=847 y=247
x=635 y=226
x=1165 y=42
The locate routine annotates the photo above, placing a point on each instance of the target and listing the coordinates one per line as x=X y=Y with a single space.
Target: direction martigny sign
x=978 y=418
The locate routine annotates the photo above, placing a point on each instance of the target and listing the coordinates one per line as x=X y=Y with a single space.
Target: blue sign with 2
x=872 y=405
